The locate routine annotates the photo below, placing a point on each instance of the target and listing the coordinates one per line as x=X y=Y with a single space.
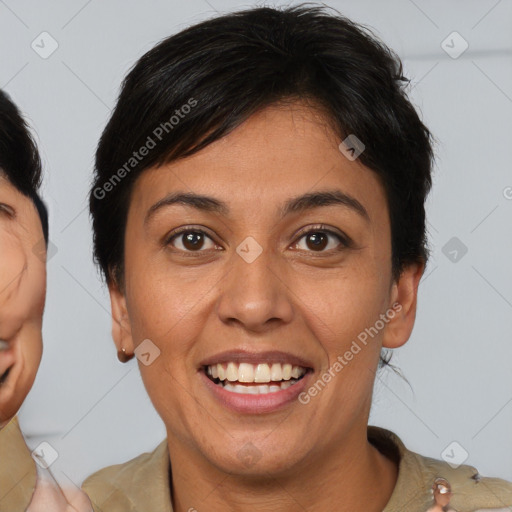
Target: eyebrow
x=294 y=205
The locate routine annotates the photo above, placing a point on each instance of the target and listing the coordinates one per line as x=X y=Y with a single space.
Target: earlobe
x=121 y=328
x=404 y=295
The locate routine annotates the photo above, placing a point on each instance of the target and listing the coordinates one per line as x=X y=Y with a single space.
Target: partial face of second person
x=22 y=296
x=307 y=296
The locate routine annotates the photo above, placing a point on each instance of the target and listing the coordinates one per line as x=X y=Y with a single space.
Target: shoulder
x=17 y=468
x=471 y=491
x=126 y=487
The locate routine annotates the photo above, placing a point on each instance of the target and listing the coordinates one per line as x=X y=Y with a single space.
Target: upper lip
x=268 y=356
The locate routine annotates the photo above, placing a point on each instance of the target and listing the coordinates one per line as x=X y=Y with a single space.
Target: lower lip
x=256 y=404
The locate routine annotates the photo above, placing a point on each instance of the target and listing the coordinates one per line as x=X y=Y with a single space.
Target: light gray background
x=95 y=411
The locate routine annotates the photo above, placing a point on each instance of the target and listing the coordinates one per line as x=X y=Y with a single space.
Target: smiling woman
x=273 y=240
x=24 y=486
x=23 y=236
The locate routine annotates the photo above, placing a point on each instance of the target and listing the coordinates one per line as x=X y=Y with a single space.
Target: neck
x=352 y=475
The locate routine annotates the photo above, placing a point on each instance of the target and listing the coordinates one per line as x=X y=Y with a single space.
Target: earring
x=123 y=356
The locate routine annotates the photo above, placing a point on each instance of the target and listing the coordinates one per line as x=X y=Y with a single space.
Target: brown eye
x=190 y=240
x=316 y=240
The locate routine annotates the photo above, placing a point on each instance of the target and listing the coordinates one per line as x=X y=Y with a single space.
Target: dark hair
x=19 y=157
x=198 y=85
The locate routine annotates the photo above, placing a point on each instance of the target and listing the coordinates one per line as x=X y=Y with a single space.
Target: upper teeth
x=247 y=372
x=4 y=345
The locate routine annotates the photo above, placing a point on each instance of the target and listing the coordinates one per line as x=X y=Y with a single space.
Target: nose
x=255 y=294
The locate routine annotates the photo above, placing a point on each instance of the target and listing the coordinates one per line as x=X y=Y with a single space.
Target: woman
x=23 y=221
x=258 y=214
x=24 y=485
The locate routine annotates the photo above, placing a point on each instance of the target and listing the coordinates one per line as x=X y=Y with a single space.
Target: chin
x=255 y=459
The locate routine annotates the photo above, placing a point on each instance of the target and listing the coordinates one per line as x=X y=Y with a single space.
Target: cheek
x=35 y=286
x=27 y=303
x=160 y=307
x=13 y=262
x=22 y=289
x=160 y=311
x=343 y=305
x=164 y=301
x=170 y=313
x=31 y=344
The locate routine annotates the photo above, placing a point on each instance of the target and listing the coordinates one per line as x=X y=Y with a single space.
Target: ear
x=404 y=295
x=121 y=327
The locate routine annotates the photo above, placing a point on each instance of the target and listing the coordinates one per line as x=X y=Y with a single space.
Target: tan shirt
x=17 y=469
x=143 y=483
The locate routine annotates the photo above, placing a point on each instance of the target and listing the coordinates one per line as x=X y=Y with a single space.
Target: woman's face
x=255 y=293
x=22 y=296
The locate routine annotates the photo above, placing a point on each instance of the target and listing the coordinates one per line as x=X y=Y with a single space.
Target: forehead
x=279 y=152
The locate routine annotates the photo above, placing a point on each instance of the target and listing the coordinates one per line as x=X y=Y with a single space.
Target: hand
x=49 y=496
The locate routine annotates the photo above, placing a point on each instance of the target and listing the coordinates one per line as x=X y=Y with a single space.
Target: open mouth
x=4 y=375
x=255 y=379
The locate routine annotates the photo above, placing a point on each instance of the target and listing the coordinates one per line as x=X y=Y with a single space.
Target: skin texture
x=22 y=296
x=294 y=298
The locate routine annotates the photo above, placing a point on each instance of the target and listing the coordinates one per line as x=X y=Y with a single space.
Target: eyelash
x=345 y=241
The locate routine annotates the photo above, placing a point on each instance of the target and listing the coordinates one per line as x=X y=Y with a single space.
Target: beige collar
x=143 y=483
x=17 y=469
